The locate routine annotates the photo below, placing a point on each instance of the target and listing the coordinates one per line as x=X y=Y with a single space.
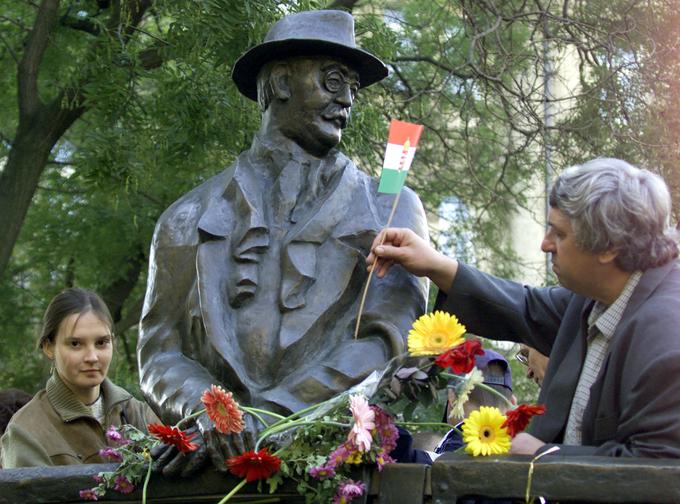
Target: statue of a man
x=256 y=275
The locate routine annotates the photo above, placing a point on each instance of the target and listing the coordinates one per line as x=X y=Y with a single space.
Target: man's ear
x=607 y=256
x=279 y=82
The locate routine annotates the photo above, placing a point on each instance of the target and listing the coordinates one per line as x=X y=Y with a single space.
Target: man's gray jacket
x=634 y=406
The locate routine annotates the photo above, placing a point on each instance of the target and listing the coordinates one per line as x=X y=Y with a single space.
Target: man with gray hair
x=613 y=380
x=256 y=275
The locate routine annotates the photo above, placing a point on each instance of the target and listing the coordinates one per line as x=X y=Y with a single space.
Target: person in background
x=609 y=328
x=66 y=422
x=535 y=362
x=497 y=375
x=11 y=401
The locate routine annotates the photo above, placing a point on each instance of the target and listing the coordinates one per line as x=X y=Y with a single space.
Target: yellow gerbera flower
x=435 y=333
x=483 y=434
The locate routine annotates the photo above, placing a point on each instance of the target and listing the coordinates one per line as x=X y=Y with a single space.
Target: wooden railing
x=557 y=478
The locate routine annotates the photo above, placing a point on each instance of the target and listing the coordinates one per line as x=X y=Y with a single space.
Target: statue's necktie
x=288 y=185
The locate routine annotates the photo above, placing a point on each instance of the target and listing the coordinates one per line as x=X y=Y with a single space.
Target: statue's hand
x=169 y=461
x=220 y=446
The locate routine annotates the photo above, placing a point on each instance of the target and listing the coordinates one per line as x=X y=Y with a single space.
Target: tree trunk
x=41 y=125
x=26 y=161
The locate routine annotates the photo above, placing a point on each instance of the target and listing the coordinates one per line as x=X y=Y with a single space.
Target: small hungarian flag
x=401 y=147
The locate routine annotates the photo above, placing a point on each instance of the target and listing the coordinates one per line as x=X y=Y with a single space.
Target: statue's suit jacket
x=634 y=406
x=257 y=289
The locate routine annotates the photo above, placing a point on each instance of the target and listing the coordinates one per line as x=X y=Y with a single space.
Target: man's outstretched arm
x=403 y=246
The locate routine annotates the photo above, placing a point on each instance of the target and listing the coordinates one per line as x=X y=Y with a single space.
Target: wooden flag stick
x=375 y=266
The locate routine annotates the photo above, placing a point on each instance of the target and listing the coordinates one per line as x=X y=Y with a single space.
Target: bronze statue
x=256 y=275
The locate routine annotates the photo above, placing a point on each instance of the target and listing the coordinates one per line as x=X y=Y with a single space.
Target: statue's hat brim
x=311 y=33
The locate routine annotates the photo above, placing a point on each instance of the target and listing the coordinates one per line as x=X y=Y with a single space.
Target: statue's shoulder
x=409 y=203
x=178 y=225
x=408 y=196
x=410 y=212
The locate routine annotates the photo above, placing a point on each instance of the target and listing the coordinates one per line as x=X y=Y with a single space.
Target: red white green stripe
x=401 y=147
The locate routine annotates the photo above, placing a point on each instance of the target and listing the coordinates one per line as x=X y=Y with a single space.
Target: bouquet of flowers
x=321 y=447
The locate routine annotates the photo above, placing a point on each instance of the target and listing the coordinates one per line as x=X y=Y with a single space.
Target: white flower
x=468 y=383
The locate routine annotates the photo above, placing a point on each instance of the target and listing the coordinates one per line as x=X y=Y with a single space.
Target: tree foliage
x=110 y=110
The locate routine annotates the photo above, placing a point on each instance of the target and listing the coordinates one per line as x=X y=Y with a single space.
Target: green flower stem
x=484 y=386
x=302 y=412
x=427 y=424
x=257 y=415
x=233 y=491
x=253 y=411
x=432 y=424
x=147 y=478
x=279 y=427
x=247 y=409
x=189 y=417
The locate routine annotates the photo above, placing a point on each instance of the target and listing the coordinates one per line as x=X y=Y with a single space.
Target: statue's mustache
x=334 y=112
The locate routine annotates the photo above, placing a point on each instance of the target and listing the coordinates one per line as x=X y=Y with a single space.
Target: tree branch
x=84 y=25
x=9 y=48
x=427 y=59
x=45 y=21
x=152 y=57
x=347 y=5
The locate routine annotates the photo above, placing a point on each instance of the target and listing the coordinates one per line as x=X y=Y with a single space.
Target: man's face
x=574 y=267
x=536 y=363
x=322 y=91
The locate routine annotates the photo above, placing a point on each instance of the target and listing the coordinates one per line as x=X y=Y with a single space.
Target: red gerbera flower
x=253 y=465
x=223 y=410
x=517 y=420
x=173 y=436
x=461 y=358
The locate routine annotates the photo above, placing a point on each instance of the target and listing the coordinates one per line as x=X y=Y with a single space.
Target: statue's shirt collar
x=274 y=155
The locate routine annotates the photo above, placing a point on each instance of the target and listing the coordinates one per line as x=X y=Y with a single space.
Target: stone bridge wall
x=592 y=479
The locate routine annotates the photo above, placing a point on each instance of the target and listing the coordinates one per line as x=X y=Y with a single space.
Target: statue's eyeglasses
x=334 y=81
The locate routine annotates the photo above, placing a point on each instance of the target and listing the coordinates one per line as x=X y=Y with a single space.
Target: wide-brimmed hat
x=322 y=32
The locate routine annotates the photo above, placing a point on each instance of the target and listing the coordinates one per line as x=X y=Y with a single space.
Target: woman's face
x=82 y=352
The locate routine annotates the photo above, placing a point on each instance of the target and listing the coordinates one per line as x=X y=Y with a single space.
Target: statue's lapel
x=233 y=234
x=321 y=253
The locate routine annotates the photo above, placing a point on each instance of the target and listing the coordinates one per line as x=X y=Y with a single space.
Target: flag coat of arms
x=401 y=147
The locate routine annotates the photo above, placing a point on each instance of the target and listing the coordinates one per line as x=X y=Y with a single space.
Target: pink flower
x=111 y=454
x=123 y=485
x=322 y=472
x=339 y=455
x=89 y=494
x=382 y=459
x=348 y=490
x=364 y=422
x=386 y=429
x=112 y=434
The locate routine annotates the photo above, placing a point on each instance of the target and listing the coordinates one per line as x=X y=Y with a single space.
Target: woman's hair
x=615 y=206
x=66 y=303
